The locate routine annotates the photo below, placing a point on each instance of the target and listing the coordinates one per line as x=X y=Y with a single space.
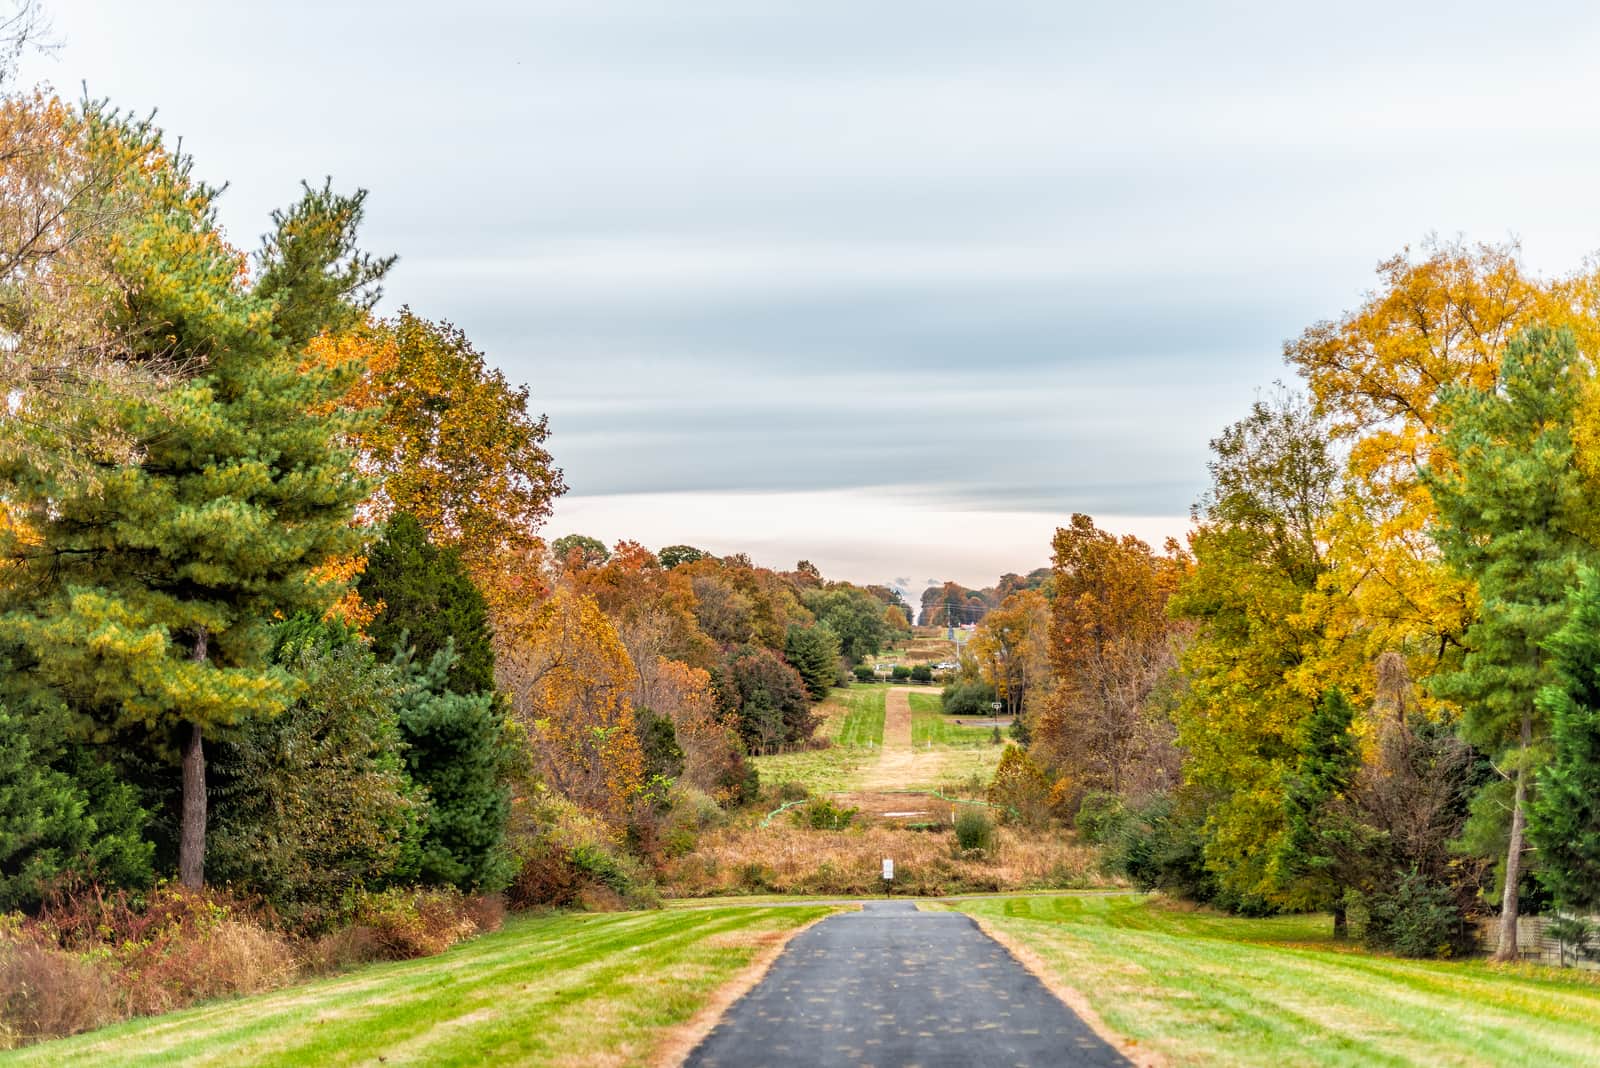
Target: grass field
x=820 y=771
x=1214 y=990
x=557 y=990
x=858 y=720
x=853 y=721
x=930 y=726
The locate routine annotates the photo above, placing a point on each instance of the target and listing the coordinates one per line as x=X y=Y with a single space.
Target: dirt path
x=896 y=760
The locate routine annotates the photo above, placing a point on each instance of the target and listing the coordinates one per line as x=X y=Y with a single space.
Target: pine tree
x=456 y=751
x=1511 y=503
x=150 y=575
x=814 y=653
x=1564 y=817
x=1309 y=852
x=429 y=603
x=61 y=813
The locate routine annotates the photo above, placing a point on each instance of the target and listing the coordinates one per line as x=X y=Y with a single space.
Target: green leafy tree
x=673 y=555
x=765 y=698
x=658 y=741
x=854 y=615
x=814 y=653
x=457 y=750
x=1257 y=557
x=1564 y=817
x=579 y=551
x=147 y=582
x=1512 y=504
x=429 y=603
x=315 y=802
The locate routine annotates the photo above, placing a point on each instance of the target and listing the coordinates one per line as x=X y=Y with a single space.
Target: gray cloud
x=1024 y=256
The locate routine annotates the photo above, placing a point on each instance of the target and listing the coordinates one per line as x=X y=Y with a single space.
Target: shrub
x=61 y=812
x=969 y=699
x=403 y=924
x=792 y=791
x=1100 y=816
x=821 y=814
x=974 y=830
x=565 y=854
x=313 y=804
x=864 y=673
x=1021 y=789
x=1416 y=917
x=900 y=673
x=921 y=673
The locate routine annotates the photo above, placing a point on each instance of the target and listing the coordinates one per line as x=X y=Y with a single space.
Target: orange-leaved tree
x=571 y=685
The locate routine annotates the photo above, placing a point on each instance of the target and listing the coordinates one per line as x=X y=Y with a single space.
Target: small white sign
x=888 y=870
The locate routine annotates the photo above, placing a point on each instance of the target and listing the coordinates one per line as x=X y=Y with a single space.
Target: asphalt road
x=891 y=986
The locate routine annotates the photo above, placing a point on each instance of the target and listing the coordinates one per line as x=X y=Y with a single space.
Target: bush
x=821 y=814
x=567 y=858
x=921 y=673
x=969 y=699
x=404 y=924
x=1100 y=816
x=313 y=805
x=1020 y=789
x=864 y=673
x=1416 y=917
x=974 y=830
x=900 y=673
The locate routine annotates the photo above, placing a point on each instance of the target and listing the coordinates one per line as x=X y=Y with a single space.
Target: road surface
x=892 y=986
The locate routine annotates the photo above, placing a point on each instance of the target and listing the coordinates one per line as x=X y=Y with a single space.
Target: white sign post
x=888 y=875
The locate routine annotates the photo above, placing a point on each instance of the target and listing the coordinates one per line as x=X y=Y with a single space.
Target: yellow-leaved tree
x=571 y=685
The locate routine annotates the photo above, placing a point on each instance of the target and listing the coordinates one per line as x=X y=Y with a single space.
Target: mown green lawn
x=861 y=722
x=1213 y=990
x=555 y=990
x=930 y=726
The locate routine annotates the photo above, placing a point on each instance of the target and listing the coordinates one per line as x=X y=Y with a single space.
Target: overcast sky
x=895 y=286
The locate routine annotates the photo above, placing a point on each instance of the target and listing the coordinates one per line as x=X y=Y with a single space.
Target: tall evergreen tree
x=456 y=750
x=814 y=653
x=1512 y=503
x=147 y=578
x=1316 y=831
x=429 y=602
x=1564 y=817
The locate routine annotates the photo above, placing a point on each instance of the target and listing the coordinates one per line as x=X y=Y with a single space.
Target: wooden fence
x=1535 y=943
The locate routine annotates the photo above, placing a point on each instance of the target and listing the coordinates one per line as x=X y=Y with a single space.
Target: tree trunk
x=192 y=830
x=1508 y=903
x=1341 y=923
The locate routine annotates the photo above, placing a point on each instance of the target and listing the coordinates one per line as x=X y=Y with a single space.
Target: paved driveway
x=894 y=986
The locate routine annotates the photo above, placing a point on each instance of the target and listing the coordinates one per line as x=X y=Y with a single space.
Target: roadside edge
x=680 y=1040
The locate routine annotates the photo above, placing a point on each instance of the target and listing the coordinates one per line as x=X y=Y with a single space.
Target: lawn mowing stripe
x=1341 y=981
x=471 y=978
x=1264 y=966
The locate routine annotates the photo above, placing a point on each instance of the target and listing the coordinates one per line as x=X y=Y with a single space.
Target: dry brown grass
x=801 y=861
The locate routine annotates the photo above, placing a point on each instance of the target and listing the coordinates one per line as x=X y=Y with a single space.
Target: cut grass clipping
x=557 y=990
x=1213 y=990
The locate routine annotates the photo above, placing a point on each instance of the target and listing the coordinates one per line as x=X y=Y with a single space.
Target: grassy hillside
x=556 y=990
x=1214 y=990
